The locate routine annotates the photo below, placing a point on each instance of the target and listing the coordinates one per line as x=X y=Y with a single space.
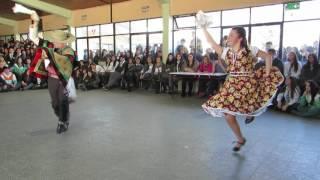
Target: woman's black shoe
x=249 y=120
x=62 y=127
x=239 y=145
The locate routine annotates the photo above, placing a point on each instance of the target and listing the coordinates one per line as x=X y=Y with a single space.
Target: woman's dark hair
x=168 y=62
x=295 y=64
x=193 y=60
x=242 y=34
x=293 y=85
x=315 y=63
x=314 y=90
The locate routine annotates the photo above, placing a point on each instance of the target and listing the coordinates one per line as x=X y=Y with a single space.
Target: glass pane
x=138 y=44
x=122 y=28
x=82 y=49
x=107 y=43
x=235 y=17
x=107 y=29
x=215 y=18
x=226 y=31
x=155 y=25
x=73 y=32
x=139 y=26
x=93 y=30
x=307 y=10
x=182 y=41
x=122 y=43
x=266 y=37
x=189 y=21
x=215 y=33
x=155 y=42
x=263 y=14
x=301 y=37
x=81 y=32
x=94 y=45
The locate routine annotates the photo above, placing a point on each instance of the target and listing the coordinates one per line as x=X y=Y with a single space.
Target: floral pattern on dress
x=248 y=94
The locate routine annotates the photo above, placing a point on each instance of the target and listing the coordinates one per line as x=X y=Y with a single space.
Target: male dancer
x=53 y=60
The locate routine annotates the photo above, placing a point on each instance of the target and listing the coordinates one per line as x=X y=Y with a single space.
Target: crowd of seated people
x=15 y=61
x=299 y=94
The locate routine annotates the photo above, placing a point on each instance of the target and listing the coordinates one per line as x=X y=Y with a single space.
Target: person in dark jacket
x=117 y=75
x=310 y=70
x=146 y=73
x=129 y=76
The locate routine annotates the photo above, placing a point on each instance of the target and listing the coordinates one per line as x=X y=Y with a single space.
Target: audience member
x=190 y=65
x=287 y=100
x=309 y=102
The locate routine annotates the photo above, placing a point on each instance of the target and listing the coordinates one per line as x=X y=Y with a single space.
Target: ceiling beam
x=8 y=22
x=46 y=7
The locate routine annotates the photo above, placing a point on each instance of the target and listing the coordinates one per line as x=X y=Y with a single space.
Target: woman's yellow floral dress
x=246 y=91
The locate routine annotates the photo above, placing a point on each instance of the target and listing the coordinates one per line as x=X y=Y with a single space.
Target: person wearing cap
x=53 y=60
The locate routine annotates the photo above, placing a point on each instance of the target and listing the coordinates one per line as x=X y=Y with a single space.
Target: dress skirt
x=245 y=95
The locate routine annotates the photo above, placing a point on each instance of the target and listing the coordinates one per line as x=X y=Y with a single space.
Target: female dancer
x=245 y=92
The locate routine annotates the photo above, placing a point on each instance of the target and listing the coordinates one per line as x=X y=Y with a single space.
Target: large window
x=82 y=49
x=267 y=14
x=94 y=44
x=183 y=22
x=106 y=29
x=107 y=43
x=138 y=43
x=122 y=43
x=183 y=41
x=122 y=28
x=284 y=27
x=266 y=37
x=203 y=43
x=155 y=25
x=81 y=32
x=302 y=10
x=155 y=42
x=138 y=26
x=236 y=17
x=94 y=30
x=301 y=37
x=215 y=18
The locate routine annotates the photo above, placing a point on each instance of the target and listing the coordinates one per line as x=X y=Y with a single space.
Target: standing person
x=53 y=60
x=245 y=92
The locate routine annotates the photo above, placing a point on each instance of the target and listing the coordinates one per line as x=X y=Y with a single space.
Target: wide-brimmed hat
x=59 y=36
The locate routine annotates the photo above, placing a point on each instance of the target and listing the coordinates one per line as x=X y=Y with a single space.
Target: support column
x=165 y=5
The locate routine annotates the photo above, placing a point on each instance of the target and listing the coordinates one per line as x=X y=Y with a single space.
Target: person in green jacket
x=309 y=102
x=19 y=69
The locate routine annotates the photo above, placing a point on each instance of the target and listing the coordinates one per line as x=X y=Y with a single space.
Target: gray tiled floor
x=141 y=136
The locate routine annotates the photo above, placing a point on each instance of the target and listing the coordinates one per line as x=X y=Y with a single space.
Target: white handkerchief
x=46 y=63
x=18 y=8
x=202 y=19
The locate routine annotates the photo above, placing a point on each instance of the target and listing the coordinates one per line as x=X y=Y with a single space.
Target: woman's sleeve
x=254 y=50
x=224 y=53
x=33 y=34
